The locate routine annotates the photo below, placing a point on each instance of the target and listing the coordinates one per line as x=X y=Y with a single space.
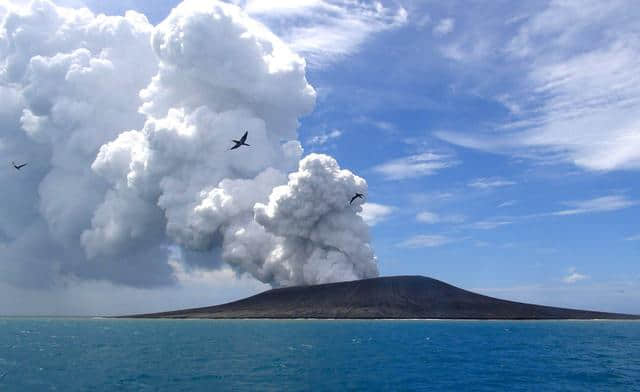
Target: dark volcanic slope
x=399 y=297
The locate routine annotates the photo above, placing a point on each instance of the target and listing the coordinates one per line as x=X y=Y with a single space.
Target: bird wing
x=21 y=166
x=244 y=137
x=352 y=199
x=234 y=147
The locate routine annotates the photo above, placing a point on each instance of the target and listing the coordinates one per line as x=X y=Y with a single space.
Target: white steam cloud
x=127 y=129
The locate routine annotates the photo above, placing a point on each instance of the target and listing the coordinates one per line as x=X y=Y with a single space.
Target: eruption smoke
x=127 y=128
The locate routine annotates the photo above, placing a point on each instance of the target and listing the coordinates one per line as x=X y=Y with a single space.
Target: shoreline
x=300 y=319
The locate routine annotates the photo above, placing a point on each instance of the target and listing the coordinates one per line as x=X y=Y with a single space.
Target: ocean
x=64 y=354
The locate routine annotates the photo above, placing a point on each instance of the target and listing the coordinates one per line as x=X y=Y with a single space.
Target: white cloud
x=421 y=21
x=282 y=7
x=385 y=126
x=419 y=165
x=596 y=205
x=599 y=204
x=432 y=218
x=428 y=217
x=579 y=101
x=489 y=224
x=319 y=140
x=444 y=26
x=373 y=213
x=507 y=203
x=509 y=103
x=324 y=31
x=68 y=86
x=489 y=143
x=633 y=238
x=320 y=238
x=574 y=276
x=576 y=207
x=488 y=183
x=426 y=241
x=437 y=197
x=127 y=128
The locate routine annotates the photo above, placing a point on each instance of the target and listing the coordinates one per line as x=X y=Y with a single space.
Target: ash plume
x=128 y=126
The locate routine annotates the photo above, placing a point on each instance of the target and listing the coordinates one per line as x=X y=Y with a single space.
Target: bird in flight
x=240 y=142
x=18 y=167
x=357 y=195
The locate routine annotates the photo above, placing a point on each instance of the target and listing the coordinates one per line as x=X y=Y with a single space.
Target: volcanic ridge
x=396 y=297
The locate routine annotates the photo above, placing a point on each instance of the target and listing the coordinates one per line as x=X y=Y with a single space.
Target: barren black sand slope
x=398 y=297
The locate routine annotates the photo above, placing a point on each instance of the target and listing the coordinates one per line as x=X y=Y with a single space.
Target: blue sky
x=519 y=201
x=500 y=142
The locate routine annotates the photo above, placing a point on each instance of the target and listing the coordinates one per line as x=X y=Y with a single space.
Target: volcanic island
x=394 y=297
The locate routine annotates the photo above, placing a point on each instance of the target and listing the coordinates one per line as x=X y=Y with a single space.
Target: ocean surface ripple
x=62 y=354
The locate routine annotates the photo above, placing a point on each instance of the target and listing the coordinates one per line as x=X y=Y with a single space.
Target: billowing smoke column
x=321 y=239
x=130 y=127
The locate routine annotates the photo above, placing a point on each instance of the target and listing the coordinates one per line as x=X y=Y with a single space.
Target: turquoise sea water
x=210 y=355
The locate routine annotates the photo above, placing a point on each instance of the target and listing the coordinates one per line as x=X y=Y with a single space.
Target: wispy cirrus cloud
x=319 y=140
x=490 y=182
x=382 y=125
x=598 y=204
x=433 y=217
x=426 y=241
x=579 y=100
x=507 y=203
x=435 y=197
x=601 y=204
x=324 y=31
x=420 y=21
x=282 y=7
x=444 y=27
x=488 y=143
x=419 y=165
x=574 y=276
x=489 y=224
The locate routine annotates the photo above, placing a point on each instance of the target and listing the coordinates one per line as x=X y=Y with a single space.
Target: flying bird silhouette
x=240 y=142
x=18 y=167
x=357 y=195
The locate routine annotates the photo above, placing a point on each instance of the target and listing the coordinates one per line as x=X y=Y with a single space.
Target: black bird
x=18 y=167
x=358 y=195
x=240 y=142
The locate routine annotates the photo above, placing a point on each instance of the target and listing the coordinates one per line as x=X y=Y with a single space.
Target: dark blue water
x=209 y=355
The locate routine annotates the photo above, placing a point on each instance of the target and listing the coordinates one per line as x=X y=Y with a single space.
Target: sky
x=498 y=146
